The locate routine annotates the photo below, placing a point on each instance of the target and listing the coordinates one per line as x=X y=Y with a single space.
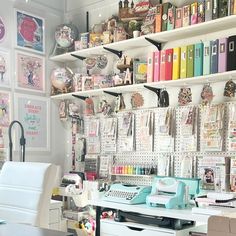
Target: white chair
x=25 y=192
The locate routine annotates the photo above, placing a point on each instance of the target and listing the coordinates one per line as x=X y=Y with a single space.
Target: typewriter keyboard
x=120 y=194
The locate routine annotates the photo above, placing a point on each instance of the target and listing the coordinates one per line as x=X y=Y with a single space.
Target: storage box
x=221 y=226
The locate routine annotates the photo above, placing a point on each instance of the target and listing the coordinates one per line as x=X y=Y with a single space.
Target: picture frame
x=5 y=109
x=34 y=114
x=5 y=68
x=30 y=72
x=29 y=31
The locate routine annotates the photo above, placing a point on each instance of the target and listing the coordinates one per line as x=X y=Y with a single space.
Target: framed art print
x=30 y=72
x=5 y=68
x=2 y=30
x=30 y=31
x=5 y=109
x=33 y=113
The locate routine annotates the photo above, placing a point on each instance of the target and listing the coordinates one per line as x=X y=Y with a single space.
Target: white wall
x=52 y=12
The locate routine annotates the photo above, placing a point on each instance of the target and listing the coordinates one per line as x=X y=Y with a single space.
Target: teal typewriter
x=127 y=194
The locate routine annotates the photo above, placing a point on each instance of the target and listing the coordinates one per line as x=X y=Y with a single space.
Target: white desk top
x=185 y=214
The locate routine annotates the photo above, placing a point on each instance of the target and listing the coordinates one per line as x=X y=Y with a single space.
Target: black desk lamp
x=22 y=140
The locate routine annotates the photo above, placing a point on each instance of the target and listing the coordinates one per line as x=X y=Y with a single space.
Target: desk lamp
x=22 y=140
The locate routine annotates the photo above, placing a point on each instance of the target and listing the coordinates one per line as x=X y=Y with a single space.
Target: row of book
x=215 y=56
x=169 y=17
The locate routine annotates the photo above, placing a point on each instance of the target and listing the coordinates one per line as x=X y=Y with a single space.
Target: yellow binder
x=183 y=63
x=176 y=63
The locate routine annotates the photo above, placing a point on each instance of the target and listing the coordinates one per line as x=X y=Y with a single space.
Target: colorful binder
x=214 y=56
x=223 y=8
x=208 y=10
x=201 y=11
x=176 y=63
x=198 y=59
x=165 y=7
x=194 y=14
x=158 y=21
x=231 y=54
x=222 y=59
x=150 y=67
x=163 y=65
x=178 y=18
x=169 y=64
x=186 y=15
x=206 y=58
x=183 y=62
x=157 y=55
x=171 y=18
x=215 y=9
x=190 y=62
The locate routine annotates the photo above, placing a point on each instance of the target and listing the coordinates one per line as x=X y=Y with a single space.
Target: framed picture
x=30 y=72
x=30 y=31
x=5 y=68
x=5 y=109
x=2 y=30
x=33 y=113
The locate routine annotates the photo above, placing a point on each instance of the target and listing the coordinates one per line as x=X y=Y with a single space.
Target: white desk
x=184 y=214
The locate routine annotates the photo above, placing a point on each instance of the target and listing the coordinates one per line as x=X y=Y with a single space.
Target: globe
x=65 y=35
x=62 y=79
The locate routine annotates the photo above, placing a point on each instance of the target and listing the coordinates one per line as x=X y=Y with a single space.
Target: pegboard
x=138 y=157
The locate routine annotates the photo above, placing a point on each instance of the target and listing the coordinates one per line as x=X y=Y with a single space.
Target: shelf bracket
x=116 y=52
x=155 y=43
x=78 y=57
x=157 y=91
x=80 y=97
x=113 y=93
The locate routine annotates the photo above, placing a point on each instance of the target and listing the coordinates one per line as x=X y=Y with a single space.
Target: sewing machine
x=168 y=192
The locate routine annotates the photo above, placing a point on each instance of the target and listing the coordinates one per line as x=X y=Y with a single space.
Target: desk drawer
x=54 y=216
x=119 y=229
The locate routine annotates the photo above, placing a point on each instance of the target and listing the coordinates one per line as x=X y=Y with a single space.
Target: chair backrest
x=25 y=192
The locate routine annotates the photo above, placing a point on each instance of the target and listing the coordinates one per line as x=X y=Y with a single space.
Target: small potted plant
x=135 y=27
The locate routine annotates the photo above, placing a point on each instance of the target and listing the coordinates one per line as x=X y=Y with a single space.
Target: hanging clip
x=78 y=57
x=155 y=43
x=80 y=97
x=113 y=93
x=116 y=52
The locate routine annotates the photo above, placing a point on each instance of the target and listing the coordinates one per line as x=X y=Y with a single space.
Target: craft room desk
x=184 y=214
x=10 y=229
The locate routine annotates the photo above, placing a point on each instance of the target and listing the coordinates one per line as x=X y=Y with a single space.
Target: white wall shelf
x=162 y=37
x=212 y=78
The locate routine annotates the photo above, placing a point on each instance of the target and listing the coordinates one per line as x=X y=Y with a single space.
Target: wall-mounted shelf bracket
x=113 y=93
x=78 y=57
x=157 y=91
x=80 y=97
x=155 y=43
x=116 y=52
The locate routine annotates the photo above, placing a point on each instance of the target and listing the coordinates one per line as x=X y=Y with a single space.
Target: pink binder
x=222 y=56
x=157 y=55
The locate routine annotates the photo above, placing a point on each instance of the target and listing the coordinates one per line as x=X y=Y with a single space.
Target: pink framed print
x=5 y=109
x=30 y=72
x=29 y=31
x=5 y=68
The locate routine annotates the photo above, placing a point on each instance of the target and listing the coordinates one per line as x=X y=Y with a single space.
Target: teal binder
x=206 y=58
x=198 y=59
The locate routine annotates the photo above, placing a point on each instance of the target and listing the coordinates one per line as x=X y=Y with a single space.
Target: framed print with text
x=5 y=68
x=33 y=113
x=30 y=72
x=5 y=109
x=30 y=31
